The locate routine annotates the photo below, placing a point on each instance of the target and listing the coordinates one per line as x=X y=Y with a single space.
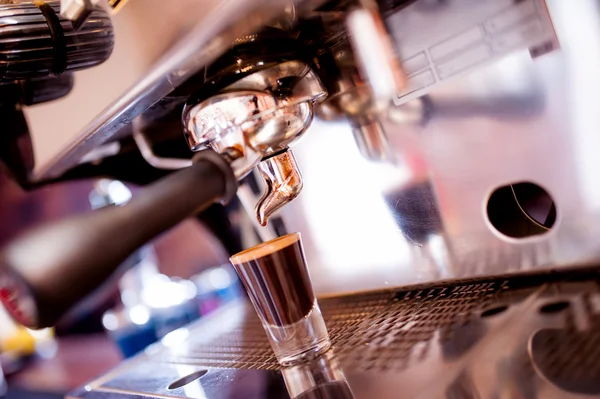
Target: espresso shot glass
x=320 y=378
x=276 y=278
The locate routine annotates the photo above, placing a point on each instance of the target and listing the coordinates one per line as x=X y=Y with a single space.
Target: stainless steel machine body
x=498 y=92
x=504 y=105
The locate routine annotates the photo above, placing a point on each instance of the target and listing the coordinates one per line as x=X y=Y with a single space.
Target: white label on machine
x=441 y=40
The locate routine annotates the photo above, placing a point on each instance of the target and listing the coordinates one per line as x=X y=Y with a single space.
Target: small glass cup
x=319 y=378
x=276 y=278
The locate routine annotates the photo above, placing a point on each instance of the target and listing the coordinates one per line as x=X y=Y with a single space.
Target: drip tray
x=526 y=336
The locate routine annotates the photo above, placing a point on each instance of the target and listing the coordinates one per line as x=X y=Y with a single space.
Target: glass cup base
x=300 y=341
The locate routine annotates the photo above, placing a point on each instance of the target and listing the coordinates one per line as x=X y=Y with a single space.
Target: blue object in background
x=133 y=340
x=172 y=318
x=163 y=305
x=216 y=287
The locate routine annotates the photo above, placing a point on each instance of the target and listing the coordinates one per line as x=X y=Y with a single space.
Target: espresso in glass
x=278 y=283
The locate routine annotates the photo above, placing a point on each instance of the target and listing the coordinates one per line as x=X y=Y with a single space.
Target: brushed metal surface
x=422 y=218
x=158 y=46
x=532 y=337
x=519 y=119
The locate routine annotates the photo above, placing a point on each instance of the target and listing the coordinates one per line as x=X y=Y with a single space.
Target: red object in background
x=8 y=299
x=183 y=251
x=16 y=300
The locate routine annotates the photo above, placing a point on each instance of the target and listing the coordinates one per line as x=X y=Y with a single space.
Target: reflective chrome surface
x=524 y=113
x=259 y=111
x=319 y=378
x=146 y=150
x=517 y=119
x=159 y=47
x=308 y=88
x=258 y=118
x=521 y=114
x=28 y=45
x=283 y=183
x=517 y=338
x=375 y=55
x=211 y=118
x=372 y=141
x=219 y=121
x=369 y=78
x=78 y=11
x=437 y=43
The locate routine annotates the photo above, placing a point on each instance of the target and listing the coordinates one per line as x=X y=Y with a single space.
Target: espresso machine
x=438 y=156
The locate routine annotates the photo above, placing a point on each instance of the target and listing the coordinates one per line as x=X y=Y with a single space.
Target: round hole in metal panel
x=521 y=210
x=188 y=379
x=554 y=307
x=566 y=358
x=494 y=311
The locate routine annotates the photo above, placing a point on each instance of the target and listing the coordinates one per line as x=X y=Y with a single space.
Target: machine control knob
x=36 y=41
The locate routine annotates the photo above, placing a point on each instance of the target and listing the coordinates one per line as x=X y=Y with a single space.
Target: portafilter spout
x=283 y=184
x=258 y=118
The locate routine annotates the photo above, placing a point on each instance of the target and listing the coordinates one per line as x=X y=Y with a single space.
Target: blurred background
x=366 y=224
x=175 y=280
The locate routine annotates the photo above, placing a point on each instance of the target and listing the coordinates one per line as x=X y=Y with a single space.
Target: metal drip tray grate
x=383 y=331
x=391 y=330
x=532 y=336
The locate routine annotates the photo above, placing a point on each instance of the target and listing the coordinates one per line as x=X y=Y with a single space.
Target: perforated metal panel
x=570 y=357
x=395 y=321
x=538 y=336
x=389 y=330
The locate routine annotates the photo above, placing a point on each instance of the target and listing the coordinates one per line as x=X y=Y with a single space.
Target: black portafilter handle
x=48 y=270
